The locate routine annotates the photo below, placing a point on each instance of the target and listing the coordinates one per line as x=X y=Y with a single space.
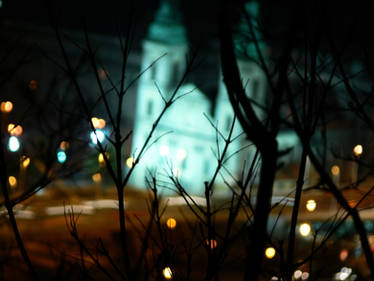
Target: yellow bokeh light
x=101 y=158
x=25 y=161
x=6 y=106
x=335 y=170
x=130 y=162
x=171 y=223
x=358 y=150
x=304 y=229
x=15 y=130
x=311 y=205
x=97 y=177
x=270 y=252
x=12 y=181
x=64 y=145
x=168 y=274
x=98 y=123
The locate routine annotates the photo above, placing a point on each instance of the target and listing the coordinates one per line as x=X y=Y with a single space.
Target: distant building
x=184 y=144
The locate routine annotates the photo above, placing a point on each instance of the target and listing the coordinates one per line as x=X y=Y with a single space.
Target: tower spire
x=247 y=32
x=168 y=26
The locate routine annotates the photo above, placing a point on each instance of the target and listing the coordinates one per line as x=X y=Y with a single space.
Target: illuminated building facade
x=185 y=143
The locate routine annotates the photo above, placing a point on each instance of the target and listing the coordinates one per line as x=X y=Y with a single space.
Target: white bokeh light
x=164 y=150
x=13 y=144
x=98 y=135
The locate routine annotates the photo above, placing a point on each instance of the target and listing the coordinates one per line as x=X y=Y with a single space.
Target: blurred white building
x=184 y=144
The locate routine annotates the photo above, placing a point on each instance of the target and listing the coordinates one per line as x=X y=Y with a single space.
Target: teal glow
x=61 y=156
x=97 y=135
x=13 y=144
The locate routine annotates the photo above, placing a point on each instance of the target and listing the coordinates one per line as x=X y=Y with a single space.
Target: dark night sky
x=201 y=17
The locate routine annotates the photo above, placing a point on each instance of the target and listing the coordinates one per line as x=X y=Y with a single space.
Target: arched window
x=149 y=108
x=255 y=88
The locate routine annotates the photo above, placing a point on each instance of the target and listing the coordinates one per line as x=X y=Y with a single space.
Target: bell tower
x=164 y=53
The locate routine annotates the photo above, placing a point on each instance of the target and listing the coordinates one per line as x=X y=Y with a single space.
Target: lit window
x=206 y=167
x=153 y=72
x=150 y=108
x=174 y=75
x=255 y=86
x=228 y=123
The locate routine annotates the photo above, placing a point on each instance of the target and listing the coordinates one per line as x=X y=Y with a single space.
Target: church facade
x=189 y=138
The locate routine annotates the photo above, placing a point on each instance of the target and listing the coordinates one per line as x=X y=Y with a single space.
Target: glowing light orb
x=168 y=274
x=171 y=223
x=15 y=130
x=305 y=229
x=12 y=181
x=343 y=254
x=97 y=177
x=6 y=106
x=130 y=162
x=64 y=145
x=25 y=161
x=335 y=170
x=297 y=274
x=358 y=150
x=101 y=158
x=164 y=150
x=98 y=123
x=304 y=275
x=270 y=252
x=61 y=156
x=13 y=144
x=99 y=136
x=311 y=205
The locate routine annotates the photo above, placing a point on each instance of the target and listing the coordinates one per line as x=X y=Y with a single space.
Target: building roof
x=168 y=26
